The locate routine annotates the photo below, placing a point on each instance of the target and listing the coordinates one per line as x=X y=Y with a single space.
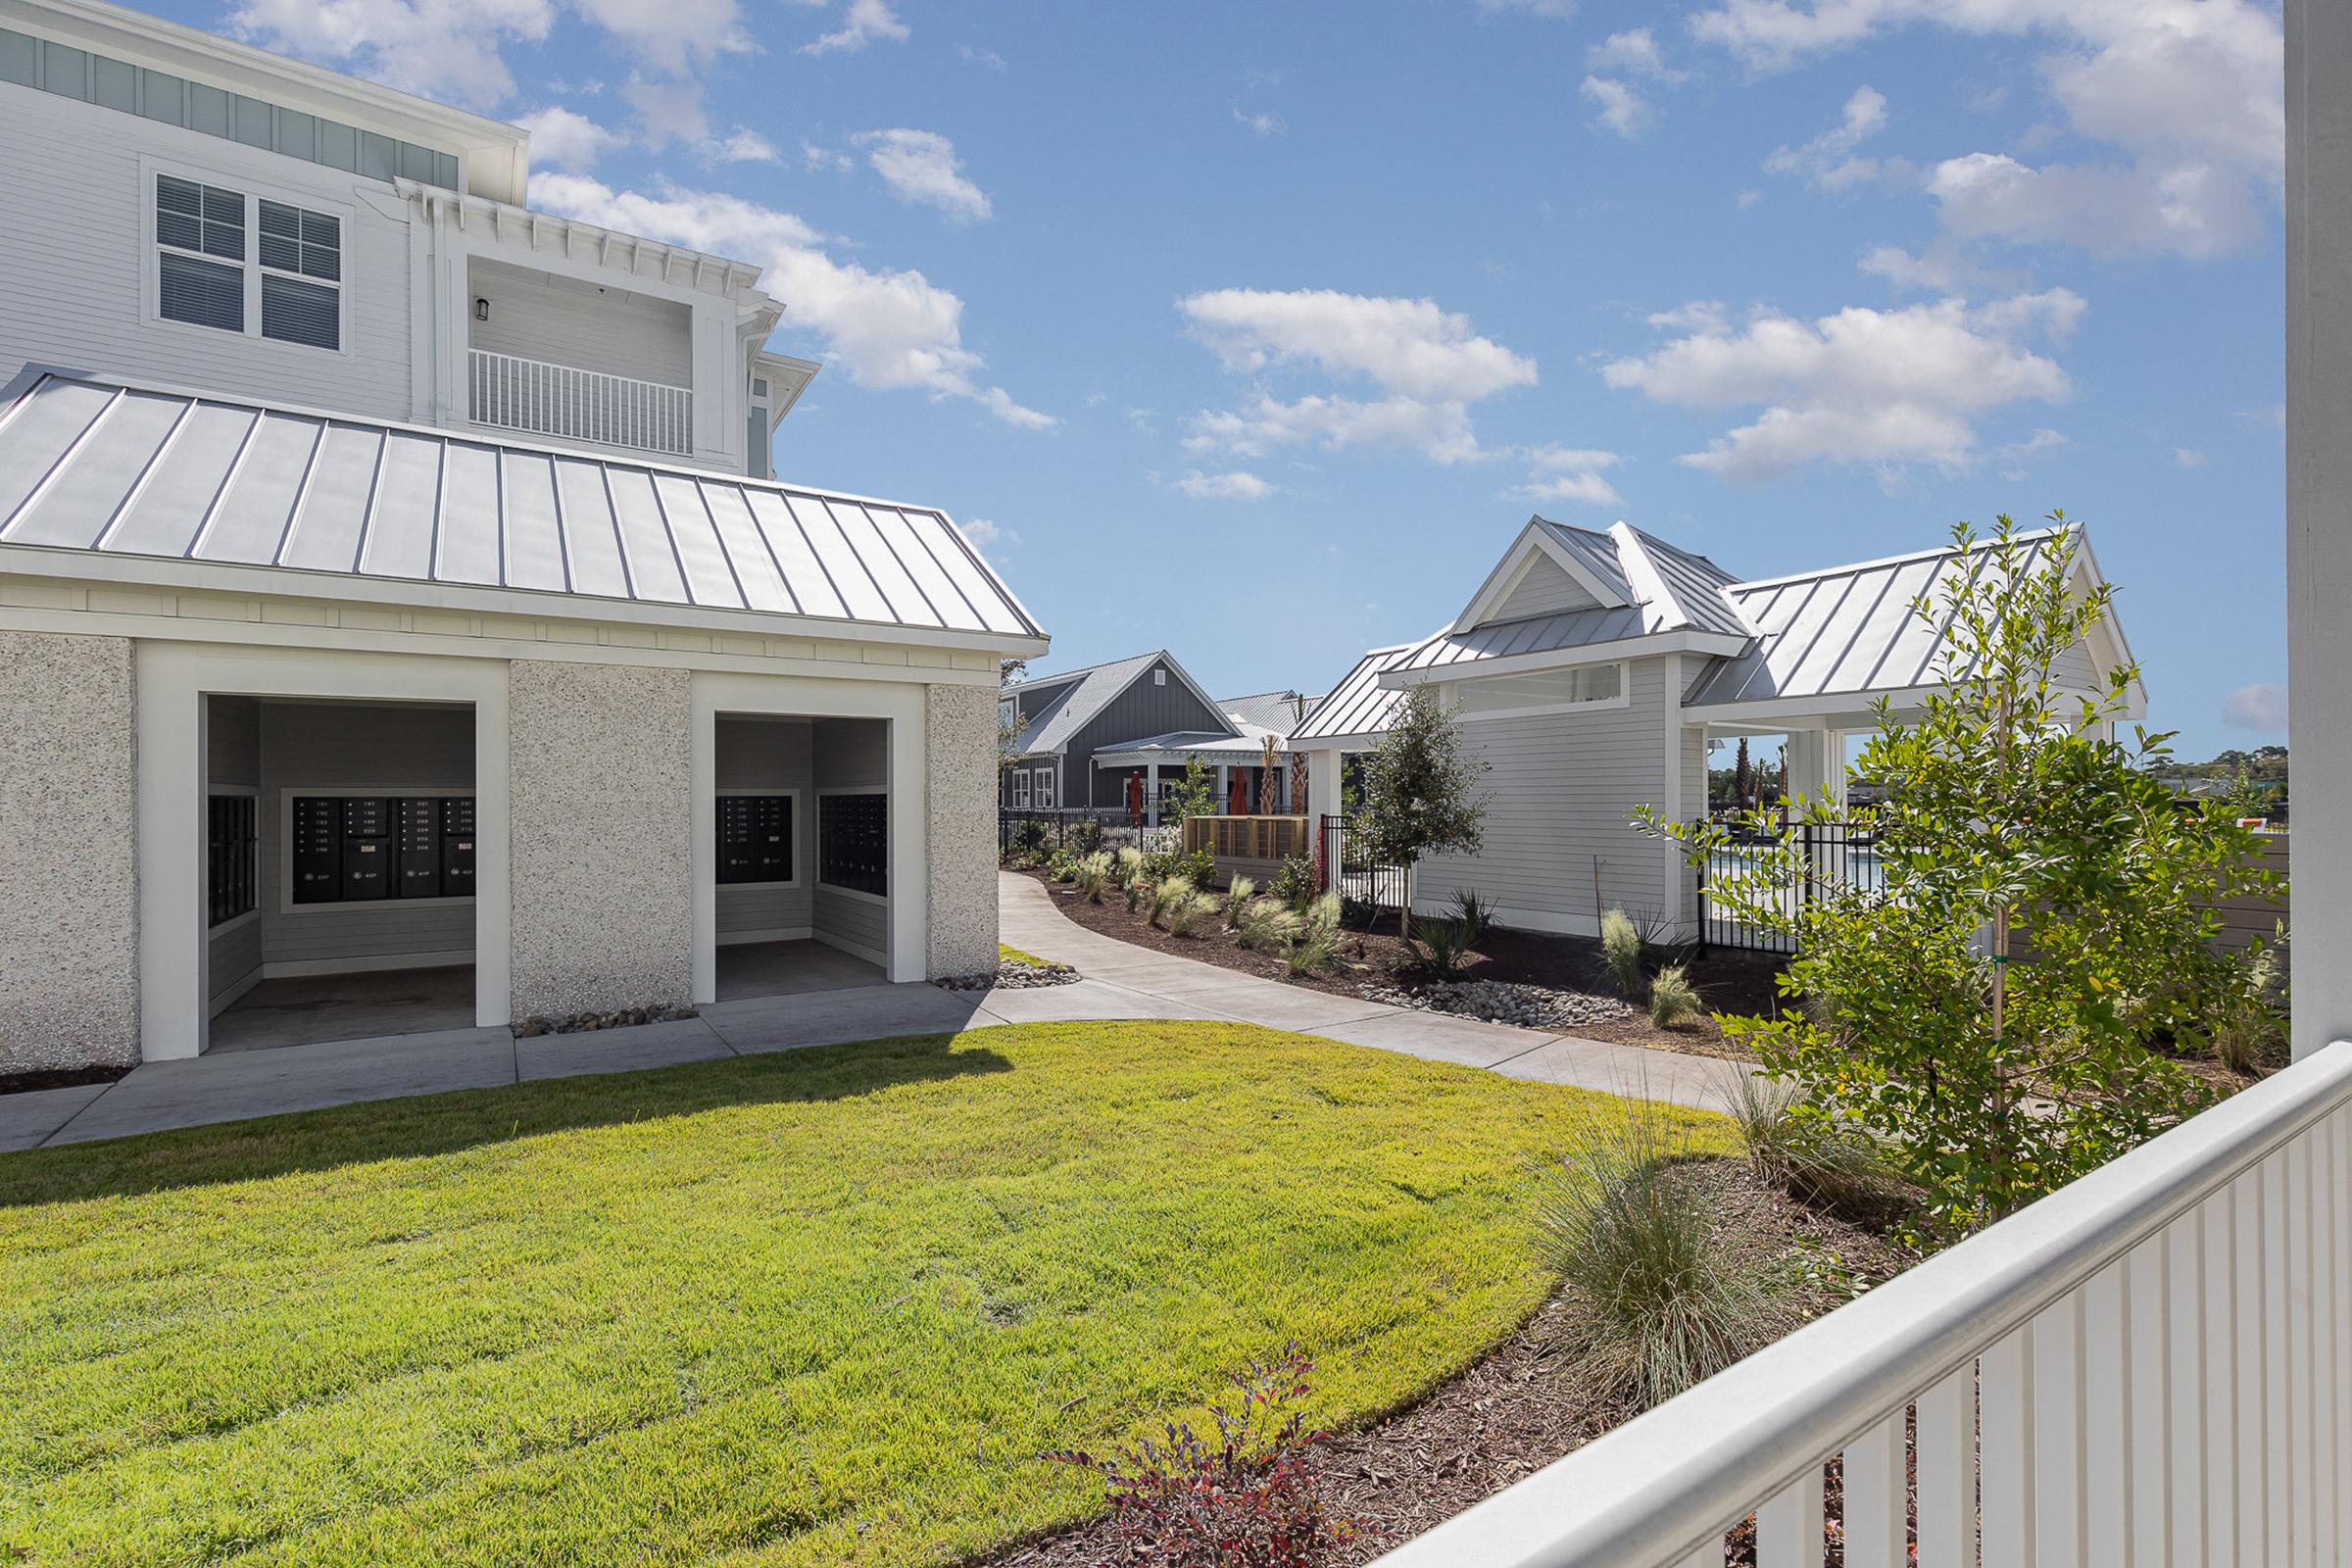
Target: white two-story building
x=400 y=626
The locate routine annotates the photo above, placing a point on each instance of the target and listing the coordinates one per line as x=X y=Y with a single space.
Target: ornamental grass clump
x=1621 y=948
x=1672 y=999
x=1317 y=943
x=1238 y=893
x=1268 y=925
x=1249 y=1497
x=1169 y=895
x=1187 y=913
x=1091 y=875
x=1663 y=1298
x=1829 y=1167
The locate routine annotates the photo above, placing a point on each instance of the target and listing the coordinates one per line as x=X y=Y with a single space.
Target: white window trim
x=1048 y=798
x=1595 y=705
x=804 y=836
x=255 y=192
x=816 y=837
x=252 y=793
x=342 y=792
x=1020 y=788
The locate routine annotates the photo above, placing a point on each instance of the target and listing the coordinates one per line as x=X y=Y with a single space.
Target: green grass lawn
x=1005 y=955
x=814 y=1307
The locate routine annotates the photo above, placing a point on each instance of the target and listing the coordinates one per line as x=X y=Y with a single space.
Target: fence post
x=1323 y=853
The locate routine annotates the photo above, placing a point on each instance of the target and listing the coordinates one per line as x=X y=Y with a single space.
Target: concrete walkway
x=1158 y=984
x=1121 y=981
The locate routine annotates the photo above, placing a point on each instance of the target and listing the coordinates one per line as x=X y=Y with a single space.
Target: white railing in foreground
x=559 y=400
x=2156 y=1361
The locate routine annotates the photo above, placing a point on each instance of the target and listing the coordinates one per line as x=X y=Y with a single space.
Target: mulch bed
x=1524 y=1404
x=1727 y=981
x=25 y=1083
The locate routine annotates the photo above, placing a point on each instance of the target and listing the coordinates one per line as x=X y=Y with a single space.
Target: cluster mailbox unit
x=352 y=849
x=754 y=838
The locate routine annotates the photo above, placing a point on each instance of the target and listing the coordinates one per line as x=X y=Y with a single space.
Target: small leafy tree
x=1422 y=794
x=1994 y=1079
x=1743 y=779
x=1194 y=793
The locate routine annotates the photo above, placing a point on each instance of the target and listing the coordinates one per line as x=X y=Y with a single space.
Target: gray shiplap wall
x=1562 y=787
x=849 y=754
x=770 y=754
x=1137 y=714
x=536 y=318
x=1545 y=590
x=358 y=746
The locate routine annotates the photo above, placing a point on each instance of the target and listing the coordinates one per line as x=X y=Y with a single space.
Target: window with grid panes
x=248 y=265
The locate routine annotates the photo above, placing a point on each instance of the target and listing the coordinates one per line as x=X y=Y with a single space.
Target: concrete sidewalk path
x=1028 y=918
x=1121 y=980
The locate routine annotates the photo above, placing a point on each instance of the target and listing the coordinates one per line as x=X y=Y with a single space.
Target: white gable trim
x=1533 y=543
x=1649 y=583
x=1669 y=642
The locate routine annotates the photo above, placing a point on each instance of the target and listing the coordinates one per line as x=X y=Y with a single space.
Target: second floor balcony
x=563 y=402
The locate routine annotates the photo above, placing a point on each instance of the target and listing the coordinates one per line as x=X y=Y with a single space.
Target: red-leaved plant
x=1247 y=1500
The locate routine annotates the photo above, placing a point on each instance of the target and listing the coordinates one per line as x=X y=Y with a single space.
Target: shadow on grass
x=446 y=1123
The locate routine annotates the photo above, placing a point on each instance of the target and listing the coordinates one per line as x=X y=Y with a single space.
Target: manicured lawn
x=814 y=1307
x=1005 y=955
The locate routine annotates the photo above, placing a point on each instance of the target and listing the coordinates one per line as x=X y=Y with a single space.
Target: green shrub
x=1833 y=1167
x=1091 y=875
x=1236 y=899
x=1672 y=999
x=1085 y=836
x=1440 y=947
x=1475 y=916
x=1621 y=948
x=1293 y=883
x=1029 y=836
x=1663 y=1298
x=1268 y=925
x=1059 y=863
x=1200 y=868
x=2247 y=1031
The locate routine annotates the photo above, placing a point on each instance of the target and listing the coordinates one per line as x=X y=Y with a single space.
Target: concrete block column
x=601 y=780
x=960 y=828
x=68 y=876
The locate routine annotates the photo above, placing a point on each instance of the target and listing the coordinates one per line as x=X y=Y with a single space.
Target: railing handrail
x=579 y=370
x=1656 y=1488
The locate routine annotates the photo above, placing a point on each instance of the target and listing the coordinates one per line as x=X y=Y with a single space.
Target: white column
x=1224 y=785
x=2319 y=509
x=1816 y=759
x=1151 y=795
x=1323 y=784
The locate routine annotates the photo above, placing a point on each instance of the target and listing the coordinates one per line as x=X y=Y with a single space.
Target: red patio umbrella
x=1237 y=800
x=1135 y=800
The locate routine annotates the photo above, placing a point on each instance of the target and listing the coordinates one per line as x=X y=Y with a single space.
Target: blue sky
x=1256 y=330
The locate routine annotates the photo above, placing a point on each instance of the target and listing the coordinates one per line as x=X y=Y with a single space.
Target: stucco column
x=960 y=829
x=68 y=922
x=602 y=804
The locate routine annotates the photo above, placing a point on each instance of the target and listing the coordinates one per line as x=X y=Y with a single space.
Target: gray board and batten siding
x=1145 y=706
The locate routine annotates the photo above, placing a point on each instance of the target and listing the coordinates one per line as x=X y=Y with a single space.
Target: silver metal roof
x=1357 y=705
x=1848 y=630
x=1595 y=552
x=1190 y=743
x=1279 y=711
x=120 y=470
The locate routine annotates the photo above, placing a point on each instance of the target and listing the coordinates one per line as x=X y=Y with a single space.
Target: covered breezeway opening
x=802 y=855
x=339 y=871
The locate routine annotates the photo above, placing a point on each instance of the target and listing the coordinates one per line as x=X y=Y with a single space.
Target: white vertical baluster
x=2149 y=1417
x=2185 y=1285
x=2339 y=1232
x=2277 y=1464
x=1709 y=1555
x=1947 y=1472
x=2005 y=1389
x=2329 y=1307
x=2058 y=1434
x=2107 y=1437
x=2245 y=1223
x=2295 y=1163
x=1875 y=1532
x=1789 y=1525
x=2222 y=1458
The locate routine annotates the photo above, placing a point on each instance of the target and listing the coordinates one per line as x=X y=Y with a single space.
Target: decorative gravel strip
x=1501 y=1002
x=1011 y=977
x=581 y=1022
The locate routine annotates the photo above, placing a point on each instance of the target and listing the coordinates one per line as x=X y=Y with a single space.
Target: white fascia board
x=492 y=150
x=1364 y=741
x=789 y=377
x=179 y=575
x=1670 y=642
x=1533 y=541
x=586 y=248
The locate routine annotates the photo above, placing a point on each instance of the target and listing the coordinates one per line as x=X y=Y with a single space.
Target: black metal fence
x=1348 y=865
x=1045 y=831
x=1837 y=856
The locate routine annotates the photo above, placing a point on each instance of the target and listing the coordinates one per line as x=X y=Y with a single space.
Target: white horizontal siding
x=235 y=955
x=1561 y=788
x=537 y=317
x=864 y=923
x=73 y=262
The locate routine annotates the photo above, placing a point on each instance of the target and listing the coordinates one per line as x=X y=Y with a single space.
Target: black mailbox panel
x=754 y=838
x=362 y=848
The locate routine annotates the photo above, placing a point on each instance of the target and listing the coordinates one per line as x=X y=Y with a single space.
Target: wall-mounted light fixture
x=482 y=310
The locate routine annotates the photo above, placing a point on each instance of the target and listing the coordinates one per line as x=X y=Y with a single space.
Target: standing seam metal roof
x=1357 y=705
x=108 y=466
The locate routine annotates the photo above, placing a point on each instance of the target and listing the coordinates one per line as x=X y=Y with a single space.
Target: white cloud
x=887 y=330
x=985 y=535
x=1828 y=161
x=2190 y=91
x=864 y=21
x=2017 y=457
x=1618 y=107
x=1237 y=484
x=2189 y=457
x=1882 y=387
x=2105 y=209
x=564 y=140
x=921 y=166
x=446 y=49
x=1265 y=125
x=1569 y=473
x=670 y=36
x=825 y=159
x=742 y=145
x=981 y=56
x=1634 y=50
x=1431 y=363
x=2261 y=707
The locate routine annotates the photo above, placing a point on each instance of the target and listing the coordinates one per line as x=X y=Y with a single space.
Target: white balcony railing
x=2156 y=1365
x=575 y=404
